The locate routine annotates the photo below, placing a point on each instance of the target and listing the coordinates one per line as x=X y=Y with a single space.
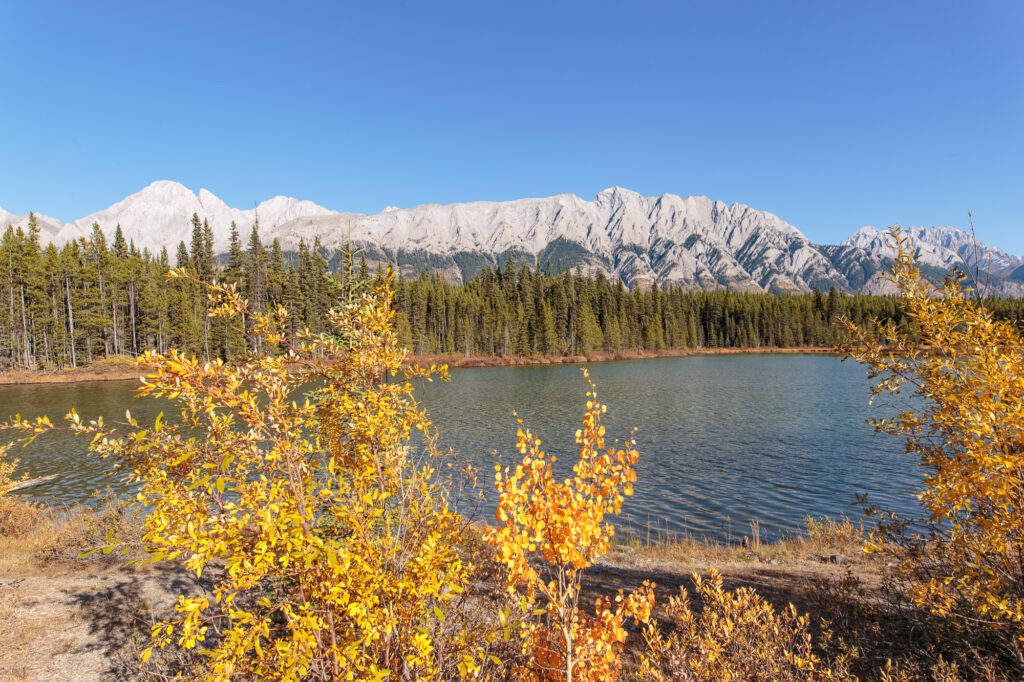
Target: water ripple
x=723 y=439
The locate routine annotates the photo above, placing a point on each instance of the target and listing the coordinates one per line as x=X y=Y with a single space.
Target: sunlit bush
x=548 y=533
x=17 y=516
x=326 y=548
x=964 y=560
x=734 y=635
x=8 y=465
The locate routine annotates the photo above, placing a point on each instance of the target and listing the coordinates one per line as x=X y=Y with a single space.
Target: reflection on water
x=722 y=439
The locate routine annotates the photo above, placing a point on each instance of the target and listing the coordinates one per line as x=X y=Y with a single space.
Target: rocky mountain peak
x=692 y=241
x=941 y=247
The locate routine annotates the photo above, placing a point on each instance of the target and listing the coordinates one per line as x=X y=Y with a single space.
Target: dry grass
x=23 y=525
x=33 y=536
x=80 y=529
x=114 y=368
x=825 y=541
x=457 y=361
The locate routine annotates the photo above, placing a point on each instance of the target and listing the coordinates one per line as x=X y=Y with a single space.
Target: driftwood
x=28 y=483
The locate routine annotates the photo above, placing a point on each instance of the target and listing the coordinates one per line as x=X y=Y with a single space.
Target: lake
x=723 y=439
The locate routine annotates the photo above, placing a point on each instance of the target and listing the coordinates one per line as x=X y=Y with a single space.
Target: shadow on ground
x=120 y=615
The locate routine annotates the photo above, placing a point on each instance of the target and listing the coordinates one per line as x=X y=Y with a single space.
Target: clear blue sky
x=830 y=114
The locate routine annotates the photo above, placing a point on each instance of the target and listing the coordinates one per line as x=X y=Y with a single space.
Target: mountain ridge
x=693 y=241
x=158 y=215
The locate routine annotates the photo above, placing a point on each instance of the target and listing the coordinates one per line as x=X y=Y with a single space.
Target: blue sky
x=830 y=114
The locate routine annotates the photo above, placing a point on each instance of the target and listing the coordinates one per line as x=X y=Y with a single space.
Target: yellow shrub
x=7 y=466
x=326 y=547
x=116 y=362
x=18 y=517
x=967 y=563
x=736 y=635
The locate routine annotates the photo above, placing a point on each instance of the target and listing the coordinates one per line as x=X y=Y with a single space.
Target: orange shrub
x=563 y=523
x=326 y=545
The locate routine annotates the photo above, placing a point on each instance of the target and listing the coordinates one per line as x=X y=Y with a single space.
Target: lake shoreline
x=454 y=361
x=473 y=361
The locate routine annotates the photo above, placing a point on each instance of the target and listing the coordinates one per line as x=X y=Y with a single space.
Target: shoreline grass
x=121 y=368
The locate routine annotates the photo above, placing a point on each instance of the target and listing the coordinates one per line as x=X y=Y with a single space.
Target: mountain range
x=693 y=241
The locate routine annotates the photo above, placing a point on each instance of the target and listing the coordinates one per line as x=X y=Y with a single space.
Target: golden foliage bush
x=563 y=524
x=326 y=545
x=7 y=466
x=964 y=560
x=116 y=362
x=735 y=635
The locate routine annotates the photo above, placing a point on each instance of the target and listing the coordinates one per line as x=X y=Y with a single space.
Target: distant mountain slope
x=693 y=242
x=940 y=247
x=939 y=250
x=159 y=215
x=48 y=227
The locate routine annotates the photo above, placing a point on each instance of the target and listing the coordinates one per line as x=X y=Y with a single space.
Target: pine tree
x=256 y=274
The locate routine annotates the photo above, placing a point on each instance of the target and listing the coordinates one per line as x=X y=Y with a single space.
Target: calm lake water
x=723 y=440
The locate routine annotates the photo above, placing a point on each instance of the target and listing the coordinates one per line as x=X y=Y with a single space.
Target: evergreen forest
x=97 y=298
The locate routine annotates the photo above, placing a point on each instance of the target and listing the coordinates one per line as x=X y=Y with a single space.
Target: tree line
x=95 y=298
x=523 y=310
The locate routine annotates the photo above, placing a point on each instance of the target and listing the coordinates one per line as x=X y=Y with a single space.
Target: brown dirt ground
x=82 y=623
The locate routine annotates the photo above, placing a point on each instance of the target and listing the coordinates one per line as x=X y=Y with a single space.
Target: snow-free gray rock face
x=940 y=247
x=693 y=242
x=688 y=241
